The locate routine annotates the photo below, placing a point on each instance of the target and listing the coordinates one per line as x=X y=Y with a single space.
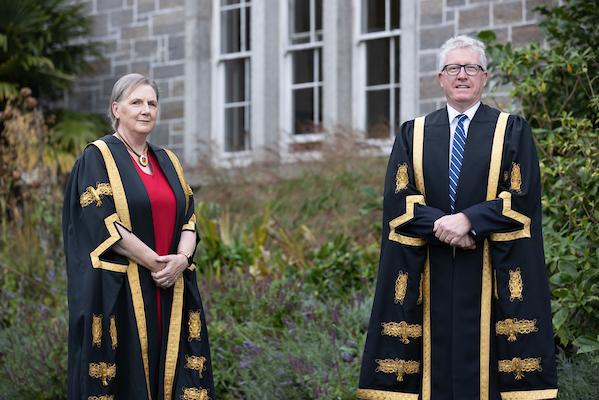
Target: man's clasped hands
x=454 y=230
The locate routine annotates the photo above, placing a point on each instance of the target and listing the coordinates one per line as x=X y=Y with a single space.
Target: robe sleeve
x=95 y=276
x=508 y=217
x=402 y=198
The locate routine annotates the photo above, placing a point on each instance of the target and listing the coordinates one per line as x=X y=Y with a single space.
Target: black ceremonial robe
x=453 y=324
x=114 y=349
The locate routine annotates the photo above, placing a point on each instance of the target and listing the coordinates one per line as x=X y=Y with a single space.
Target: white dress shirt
x=453 y=122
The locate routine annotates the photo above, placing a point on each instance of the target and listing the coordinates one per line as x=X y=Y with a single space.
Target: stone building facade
x=245 y=81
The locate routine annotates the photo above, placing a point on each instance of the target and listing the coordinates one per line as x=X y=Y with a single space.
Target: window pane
x=235 y=81
x=303 y=111
x=396 y=45
x=236 y=132
x=301 y=16
x=248 y=26
x=377 y=113
x=377 y=62
x=227 y=2
x=395 y=14
x=318 y=5
x=231 y=36
x=303 y=66
x=375 y=15
x=397 y=107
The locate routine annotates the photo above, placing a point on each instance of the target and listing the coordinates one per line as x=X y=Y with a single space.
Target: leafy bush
x=557 y=88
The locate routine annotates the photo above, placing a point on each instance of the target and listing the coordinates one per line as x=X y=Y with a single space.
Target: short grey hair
x=460 y=42
x=125 y=85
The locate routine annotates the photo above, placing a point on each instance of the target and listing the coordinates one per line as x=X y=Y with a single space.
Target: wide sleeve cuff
x=530 y=395
x=371 y=394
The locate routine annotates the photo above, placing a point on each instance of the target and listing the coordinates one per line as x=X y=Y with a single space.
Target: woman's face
x=137 y=112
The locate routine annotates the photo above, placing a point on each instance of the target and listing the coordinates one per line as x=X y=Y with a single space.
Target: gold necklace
x=142 y=158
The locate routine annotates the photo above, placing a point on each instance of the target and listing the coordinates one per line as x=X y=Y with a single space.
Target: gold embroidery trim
x=516 y=216
x=114 y=237
x=103 y=371
x=184 y=185
x=122 y=210
x=401 y=178
x=371 y=394
x=174 y=336
x=401 y=286
x=402 y=219
x=516 y=285
x=515 y=178
x=96 y=330
x=195 y=394
x=94 y=195
x=191 y=224
x=194 y=324
x=418 y=151
x=512 y=327
x=103 y=397
x=518 y=366
x=403 y=330
x=530 y=394
x=419 y=301
x=399 y=367
x=196 y=363
x=113 y=336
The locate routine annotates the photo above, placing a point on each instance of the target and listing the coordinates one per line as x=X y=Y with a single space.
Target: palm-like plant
x=41 y=46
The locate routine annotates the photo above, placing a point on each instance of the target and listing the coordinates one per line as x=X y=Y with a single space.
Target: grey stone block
x=160 y=135
x=99 y=25
x=449 y=16
x=144 y=6
x=531 y=5
x=145 y=48
x=121 y=18
x=433 y=19
x=135 y=32
x=108 y=4
x=178 y=88
x=428 y=63
x=507 y=13
x=429 y=88
x=454 y=3
x=427 y=107
x=172 y=22
x=141 y=67
x=477 y=17
x=171 y=3
x=176 y=48
x=171 y=109
x=168 y=71
x=120 y=70
x=163 y=90
x=433 y=38
x=522 y=35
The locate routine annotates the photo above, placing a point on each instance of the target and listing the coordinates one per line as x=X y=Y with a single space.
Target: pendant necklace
x=142 y=158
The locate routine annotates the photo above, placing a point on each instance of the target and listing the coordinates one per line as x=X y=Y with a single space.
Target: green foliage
x=39 y=47
x=557 y=88
x=578 y=379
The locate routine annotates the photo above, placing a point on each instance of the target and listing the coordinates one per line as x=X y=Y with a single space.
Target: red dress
x=164 y=211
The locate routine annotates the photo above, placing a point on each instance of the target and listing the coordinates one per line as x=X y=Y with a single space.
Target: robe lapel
x=436 y=159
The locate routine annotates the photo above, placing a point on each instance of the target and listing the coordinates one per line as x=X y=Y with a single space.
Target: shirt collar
x=453 y=113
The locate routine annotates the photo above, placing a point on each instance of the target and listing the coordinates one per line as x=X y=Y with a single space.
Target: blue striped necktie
x=457 y=155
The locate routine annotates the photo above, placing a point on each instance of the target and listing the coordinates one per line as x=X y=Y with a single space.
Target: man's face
x=462 y=90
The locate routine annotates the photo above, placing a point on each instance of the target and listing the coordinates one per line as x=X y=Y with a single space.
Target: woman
x=136 y=324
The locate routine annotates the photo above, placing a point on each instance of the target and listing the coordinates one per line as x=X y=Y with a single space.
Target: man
x=462 y=306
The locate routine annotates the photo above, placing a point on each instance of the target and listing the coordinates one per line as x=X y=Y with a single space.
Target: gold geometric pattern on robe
x=113 y=336
x=92 y=194
x=515 y=285
x=399 y=367
x=515 y=178
x=195 y=363
x=102 y=371
x=401 y=177
x=103 y=397
x=96 y=330
x=401 y=286
x=518 y=366
x=195 y=394
x=513 y=327
x=403 y=330
x=195 y=325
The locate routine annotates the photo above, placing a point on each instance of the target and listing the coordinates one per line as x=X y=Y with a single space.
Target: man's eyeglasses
x=454 y=69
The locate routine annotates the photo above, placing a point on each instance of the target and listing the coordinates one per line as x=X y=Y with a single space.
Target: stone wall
x=145 y=36
x=512 y=20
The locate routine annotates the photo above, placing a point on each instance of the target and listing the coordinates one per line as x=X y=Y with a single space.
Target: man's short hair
x=460 y=42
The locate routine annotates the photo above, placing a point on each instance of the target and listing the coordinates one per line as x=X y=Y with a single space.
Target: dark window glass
x=301 y=16
x=248 y=30
x=397 y=107
x=377 y=113
x=303 y=111
x=395 y=14
x=375 y=15
x=229 y=2
x=318 y=5
x=235 y=80
x=319 y=116
x=231 y=35
x=236 y=131
x=377 y=59
x=396 y=52
x=303 y=66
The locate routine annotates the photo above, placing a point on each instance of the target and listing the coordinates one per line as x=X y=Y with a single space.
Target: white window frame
x=288 y=138
x=221 y=157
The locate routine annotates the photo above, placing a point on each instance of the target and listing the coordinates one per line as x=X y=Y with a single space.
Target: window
x=380 y=35
x=235 y=60
x=305 y=50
